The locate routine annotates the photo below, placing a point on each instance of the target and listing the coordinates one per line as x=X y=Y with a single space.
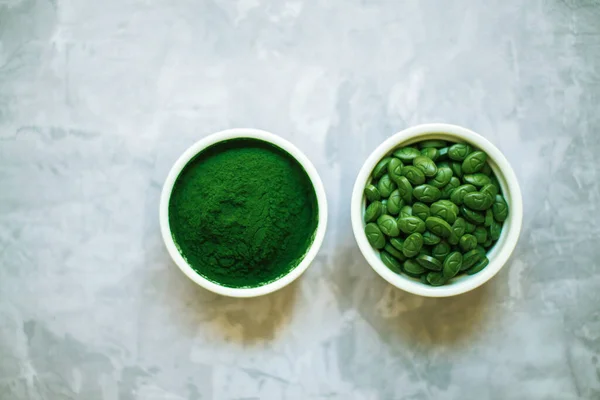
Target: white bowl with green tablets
x=436 y=210
x=243 y=212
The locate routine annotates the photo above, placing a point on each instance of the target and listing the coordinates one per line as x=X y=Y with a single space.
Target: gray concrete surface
x=98 y=98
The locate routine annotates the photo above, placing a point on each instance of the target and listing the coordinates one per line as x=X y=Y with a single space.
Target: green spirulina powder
x=243 y=213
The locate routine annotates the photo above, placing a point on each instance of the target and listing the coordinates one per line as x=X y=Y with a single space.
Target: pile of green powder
x=243 y=213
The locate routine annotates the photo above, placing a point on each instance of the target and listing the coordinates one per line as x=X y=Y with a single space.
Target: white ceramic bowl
x=234 y=134
x=503 y=248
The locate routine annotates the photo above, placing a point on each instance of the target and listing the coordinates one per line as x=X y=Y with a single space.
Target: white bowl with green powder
x=436 y=210
x=243 y=212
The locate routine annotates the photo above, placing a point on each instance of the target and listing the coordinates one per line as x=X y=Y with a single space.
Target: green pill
x=453 y=239
x=457 y=169
x=478 y=180
x=470 y=258
x=388 y=225
x=385 y=186
x=438 y=226
x=373 y=211
x=374 y=235
x=500 y=209
x=406 y=211
x=495 y=230
x=413 y=268
x=395 y=203
x=467 y=242
x=394 y=169
x=480 y=234
x=441 y=250
x=460 y=192
x=489 y=218
x=372 y=193
x=426 y=165
x=430 y=239
x=414 y=175
x=426 y=193
x=450 y=204
x=470 y=227
x=452 y=264
x=474 y=162
x=384 y=204
x=398 y=243
x=436 y=278
x=412 y=245
x=488 y=242
x=435 y=143
x=450 y=187
x=479 y=265
x=393 y=251
x=478 y=201
x=430 y=152
x=474 y=217
x=459 y=151
x=407 y=154
x=405 y=189
x=411 y=224
x=429 y=262
x=458 y=228
x=391 y=262
x=443 y=210
x=421 y=210
x=394 y=166
x=490 y=189
x=442 y=177
x=381 y=167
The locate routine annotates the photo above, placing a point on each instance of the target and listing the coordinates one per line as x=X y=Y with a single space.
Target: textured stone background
x=98 y=98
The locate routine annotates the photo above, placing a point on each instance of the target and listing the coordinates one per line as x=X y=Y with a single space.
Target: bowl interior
x=497 y=255
x=294 y=152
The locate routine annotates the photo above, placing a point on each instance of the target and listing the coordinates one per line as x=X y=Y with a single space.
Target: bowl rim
x=240 y=133
x=510 y=186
